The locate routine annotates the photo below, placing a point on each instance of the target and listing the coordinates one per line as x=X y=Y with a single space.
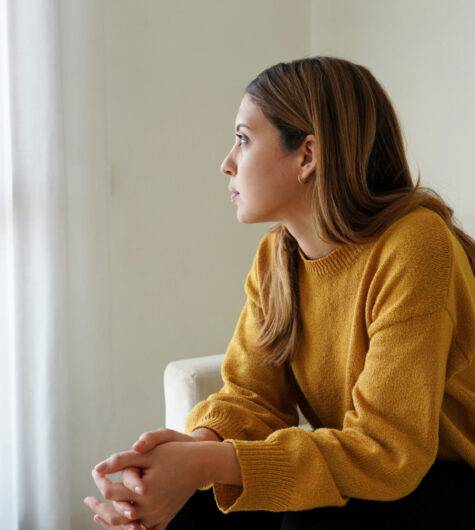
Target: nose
x=228 y=166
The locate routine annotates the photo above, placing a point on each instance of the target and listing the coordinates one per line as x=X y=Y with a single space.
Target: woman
x=360 y=310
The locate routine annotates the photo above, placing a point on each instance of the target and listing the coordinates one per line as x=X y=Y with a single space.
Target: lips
x=232 y=190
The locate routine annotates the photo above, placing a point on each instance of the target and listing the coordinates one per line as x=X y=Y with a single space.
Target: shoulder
x=419 y=228
x=420 y=238
x=410 y=267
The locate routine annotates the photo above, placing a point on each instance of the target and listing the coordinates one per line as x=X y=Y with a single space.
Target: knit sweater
x=385 y=374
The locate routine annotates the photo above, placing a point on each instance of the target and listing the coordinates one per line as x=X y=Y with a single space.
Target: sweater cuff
x=206 y=487
x=267 y=479
x=222 y=424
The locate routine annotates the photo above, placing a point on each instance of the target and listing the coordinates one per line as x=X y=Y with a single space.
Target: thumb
x=149 y=440
x=119 y=461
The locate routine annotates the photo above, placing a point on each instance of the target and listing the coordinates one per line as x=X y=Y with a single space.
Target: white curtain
x=55 y=387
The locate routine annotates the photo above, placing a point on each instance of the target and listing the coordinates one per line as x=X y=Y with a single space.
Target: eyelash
x=243 y=139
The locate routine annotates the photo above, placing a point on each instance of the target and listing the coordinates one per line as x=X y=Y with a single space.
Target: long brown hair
x=362 y=183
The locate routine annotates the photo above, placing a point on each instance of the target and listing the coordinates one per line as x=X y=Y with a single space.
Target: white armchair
x=188 y=381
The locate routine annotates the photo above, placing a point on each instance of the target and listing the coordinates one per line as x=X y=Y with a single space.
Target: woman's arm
x=222 y=459
x=257 y=398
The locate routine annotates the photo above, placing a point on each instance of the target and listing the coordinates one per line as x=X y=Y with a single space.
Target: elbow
x=405 y=477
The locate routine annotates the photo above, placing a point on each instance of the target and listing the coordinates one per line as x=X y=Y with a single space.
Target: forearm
x=218 y=462
x=205 y=435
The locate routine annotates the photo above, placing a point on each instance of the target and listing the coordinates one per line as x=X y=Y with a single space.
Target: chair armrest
x=189 y=381
x=186 y=383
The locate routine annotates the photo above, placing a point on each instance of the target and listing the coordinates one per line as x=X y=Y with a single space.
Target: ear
x=308 y=159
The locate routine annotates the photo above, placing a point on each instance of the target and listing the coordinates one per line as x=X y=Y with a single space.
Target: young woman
x=360 y=310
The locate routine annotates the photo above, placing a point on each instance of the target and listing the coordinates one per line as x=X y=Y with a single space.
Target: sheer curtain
x=54 y=261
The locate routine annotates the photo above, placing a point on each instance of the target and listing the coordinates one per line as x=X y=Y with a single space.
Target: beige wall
x=175 y=75
x=422 y=51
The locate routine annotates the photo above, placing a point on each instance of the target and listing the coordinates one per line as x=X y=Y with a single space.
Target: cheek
x=265 y=174
x=259 y=172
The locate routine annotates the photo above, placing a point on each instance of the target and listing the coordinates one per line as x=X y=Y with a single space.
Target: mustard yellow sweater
x=385 y=375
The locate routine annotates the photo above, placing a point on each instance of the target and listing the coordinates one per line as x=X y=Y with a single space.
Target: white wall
x=175 y=75
x=422 y=51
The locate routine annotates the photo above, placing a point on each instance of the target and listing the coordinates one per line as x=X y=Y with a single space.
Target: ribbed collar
x=340 y=258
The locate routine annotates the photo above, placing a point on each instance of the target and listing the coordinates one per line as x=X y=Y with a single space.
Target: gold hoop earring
x=304 y=182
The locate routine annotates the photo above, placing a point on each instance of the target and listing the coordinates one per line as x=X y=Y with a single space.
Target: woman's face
x=263 y=174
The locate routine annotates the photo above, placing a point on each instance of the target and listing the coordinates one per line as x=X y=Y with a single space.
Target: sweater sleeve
x=386 y=445
x=256 y=398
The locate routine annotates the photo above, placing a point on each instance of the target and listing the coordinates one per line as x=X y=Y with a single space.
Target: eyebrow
x=239 y=125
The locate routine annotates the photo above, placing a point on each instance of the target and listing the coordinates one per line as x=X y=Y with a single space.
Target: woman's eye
x=243 y=139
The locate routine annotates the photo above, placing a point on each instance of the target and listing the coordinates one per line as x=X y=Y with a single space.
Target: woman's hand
x=122 y=514
x=171 y=473
x=148 y=440
x=131 y=477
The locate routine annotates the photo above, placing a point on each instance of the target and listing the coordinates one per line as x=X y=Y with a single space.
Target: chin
x=247 y=217
x=244 y=220
x=250 y=219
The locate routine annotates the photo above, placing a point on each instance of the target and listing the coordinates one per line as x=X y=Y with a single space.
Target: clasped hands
x=159 y=474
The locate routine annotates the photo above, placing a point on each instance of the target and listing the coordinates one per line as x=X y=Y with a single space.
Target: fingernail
x=128 y=514
x=139 y=490
x=100 y=467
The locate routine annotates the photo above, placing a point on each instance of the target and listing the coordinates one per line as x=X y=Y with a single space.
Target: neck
x=312 y=246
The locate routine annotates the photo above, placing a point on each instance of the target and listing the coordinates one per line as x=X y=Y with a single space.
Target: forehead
x=250 y=114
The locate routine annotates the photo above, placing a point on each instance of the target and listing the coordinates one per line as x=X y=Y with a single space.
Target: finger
x=131 y=526
x=132 y=480
x=149 y=440
x=126 y=509
x=106 y=513
x=100 y=521
x=112 y=491
x=119 y=461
